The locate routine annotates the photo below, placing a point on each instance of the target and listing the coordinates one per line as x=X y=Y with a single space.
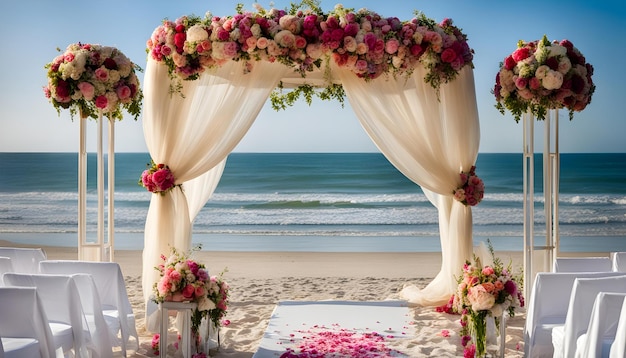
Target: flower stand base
x=186 y=308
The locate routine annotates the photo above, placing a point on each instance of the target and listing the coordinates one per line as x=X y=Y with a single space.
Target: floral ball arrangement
x=363 y=41
x=158 y=178
x=471 y=190
x=89 y=78
x=543 y=75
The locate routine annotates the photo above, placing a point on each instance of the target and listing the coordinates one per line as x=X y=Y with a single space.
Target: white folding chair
x=596 y=342
x=111 y=289
x=92 y=308
x=61 y=301
x=546 y=308
x=618 y=347
x=24 y=325
x=5 y=266
x=24 y=260
x=619 y=261
x=582 y=264
x=584 y=293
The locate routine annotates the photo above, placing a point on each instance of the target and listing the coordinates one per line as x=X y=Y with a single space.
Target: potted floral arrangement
x=484 y=291
x=542 y=75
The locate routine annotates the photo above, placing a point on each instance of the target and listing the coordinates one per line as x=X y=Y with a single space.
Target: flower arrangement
x=471 y=190
x=489 y=290
x=92 y=78
x=542 y=75
x=158 y=178
x=218 y=293
x=155 y=344
x=183 y=279
x=363 y=41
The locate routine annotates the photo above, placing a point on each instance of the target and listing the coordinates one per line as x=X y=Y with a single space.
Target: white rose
x=197 y=33
x=557 y=50
x=541 y=71
x=256 y=30
x=553 y=80
x=479 y=298
x=564 y=65
x=496 y=310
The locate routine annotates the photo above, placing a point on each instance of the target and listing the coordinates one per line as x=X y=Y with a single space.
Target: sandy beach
x=259 y=280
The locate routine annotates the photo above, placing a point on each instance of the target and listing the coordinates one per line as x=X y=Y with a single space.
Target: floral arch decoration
x=201 y=70
x=363 y=41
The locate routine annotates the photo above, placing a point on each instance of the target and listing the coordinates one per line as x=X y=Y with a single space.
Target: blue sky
x=31 y=30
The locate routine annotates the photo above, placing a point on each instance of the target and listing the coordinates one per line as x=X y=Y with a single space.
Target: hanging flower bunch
x=471 y=190
x=542 y=75
x=92 y=78
x=363 y=41
x=158 y=178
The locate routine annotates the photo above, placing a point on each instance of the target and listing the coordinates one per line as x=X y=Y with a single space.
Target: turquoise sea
x=317 y=202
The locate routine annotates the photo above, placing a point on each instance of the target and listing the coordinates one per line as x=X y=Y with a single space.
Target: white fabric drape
x=193 y=134
x=430 y=141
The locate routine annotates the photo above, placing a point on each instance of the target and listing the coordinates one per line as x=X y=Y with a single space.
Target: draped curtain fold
x=193 y=134
x=430 y=140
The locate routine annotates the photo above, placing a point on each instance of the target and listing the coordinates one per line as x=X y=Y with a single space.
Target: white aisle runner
x=294 y=323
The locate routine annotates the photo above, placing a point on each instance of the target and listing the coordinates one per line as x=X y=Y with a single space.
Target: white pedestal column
x=540 y=258
x=100 y=249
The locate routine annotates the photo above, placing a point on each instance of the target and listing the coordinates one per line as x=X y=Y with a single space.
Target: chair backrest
x=584 y=293
x=5 y=266
x=92 y=308
x=583 y=264
x=618 y=347
x=110 y=284
x=550 y=292
x=603 y=324
x=619 y=261
x=61 y=302
x=24 y=260
x=22 y=316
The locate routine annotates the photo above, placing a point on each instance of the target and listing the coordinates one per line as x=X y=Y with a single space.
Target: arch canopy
x=420 y=113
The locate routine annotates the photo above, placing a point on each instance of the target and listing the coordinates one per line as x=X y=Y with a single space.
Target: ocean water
x=317 y=202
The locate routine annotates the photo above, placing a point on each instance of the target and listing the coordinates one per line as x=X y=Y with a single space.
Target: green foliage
x=281 y=100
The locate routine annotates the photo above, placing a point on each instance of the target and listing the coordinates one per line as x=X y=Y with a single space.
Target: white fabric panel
x=596 y=342
x=193 y=135
x=582 y=264
x=111 y=289
x=547 y=308
x=581 y=301
x=430 y=140
x=24 y=260
x=61 y=300
x=618 y=347
x=15 y=323
x=619 y=261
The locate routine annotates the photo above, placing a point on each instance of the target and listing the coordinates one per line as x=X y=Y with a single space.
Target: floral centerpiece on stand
x=93 y=79
x=542 y=75
x=484 y=292
x=183 y=279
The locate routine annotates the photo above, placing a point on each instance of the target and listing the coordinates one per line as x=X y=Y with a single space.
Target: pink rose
x=261 y=43
x=102 y=74
x=448 y=55
x=391 y=46
x=123 y=92
x=488 y=270
x=174 y=275
x=87 y=90
x=102 y=101
x=199 y=291
x=188 y=291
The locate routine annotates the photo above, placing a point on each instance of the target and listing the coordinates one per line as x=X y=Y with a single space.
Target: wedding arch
x=410 y=84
